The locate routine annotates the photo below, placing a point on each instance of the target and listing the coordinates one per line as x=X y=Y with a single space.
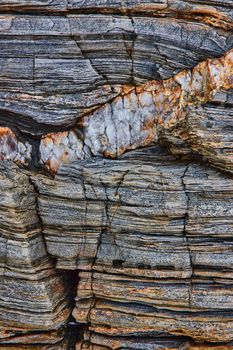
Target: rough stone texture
x=33 y=296
x=56 y=68
x=152 y=241
x=170 y=111
x=13 y=149
x=102 y=245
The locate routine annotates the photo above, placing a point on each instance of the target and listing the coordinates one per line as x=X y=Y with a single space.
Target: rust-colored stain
x=8 y=143
x=171 y=99
x=7 y=132
x=59 y=148
x=161 y=106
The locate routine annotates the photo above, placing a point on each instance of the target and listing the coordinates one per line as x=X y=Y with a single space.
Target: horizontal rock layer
x=152 y=240
x=34 y=297
x=217 y=13
x=94 y=341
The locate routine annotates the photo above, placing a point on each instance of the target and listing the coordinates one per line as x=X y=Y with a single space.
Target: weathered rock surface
x=170 y=111
x=133 y=252
x=151 y=238
x=55 y=69
x=33 y=296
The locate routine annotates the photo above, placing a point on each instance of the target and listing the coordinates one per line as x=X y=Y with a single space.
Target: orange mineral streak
x=195 y=12
x=6 y=131
x=8 y=143
x=59 y=148
x=211 y=15
x=54 y=137
x=228 y=69
x=52 y=164
x=171 y=98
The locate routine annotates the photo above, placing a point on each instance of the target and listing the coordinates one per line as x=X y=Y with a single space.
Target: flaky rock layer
x=116 y=180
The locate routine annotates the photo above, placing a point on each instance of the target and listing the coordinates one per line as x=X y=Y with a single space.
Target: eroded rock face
x=151 y=238
x=156 y=109
x=116 y=180
x=33 y=295
x=151 y=113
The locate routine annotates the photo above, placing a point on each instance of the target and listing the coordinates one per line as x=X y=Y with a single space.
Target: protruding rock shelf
x=155 y=112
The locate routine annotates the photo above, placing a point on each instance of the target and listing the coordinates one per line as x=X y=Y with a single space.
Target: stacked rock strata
x=102 y=245
x=33 y=295
x=151 y=238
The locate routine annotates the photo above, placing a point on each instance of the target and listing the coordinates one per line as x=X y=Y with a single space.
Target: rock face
x=33 y=296
x=151 y=239
x=116 y=187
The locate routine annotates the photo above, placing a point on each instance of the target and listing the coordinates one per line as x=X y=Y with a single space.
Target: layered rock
x=181 y=109
x=33 y=296
x=57 y=68
x=148 y=234
x=151 y=238
x=215 y=12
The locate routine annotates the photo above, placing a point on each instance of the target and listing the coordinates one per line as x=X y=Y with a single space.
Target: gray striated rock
x=55 y=69
x=151 y=238
x=143 y=241
x=33 y=296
